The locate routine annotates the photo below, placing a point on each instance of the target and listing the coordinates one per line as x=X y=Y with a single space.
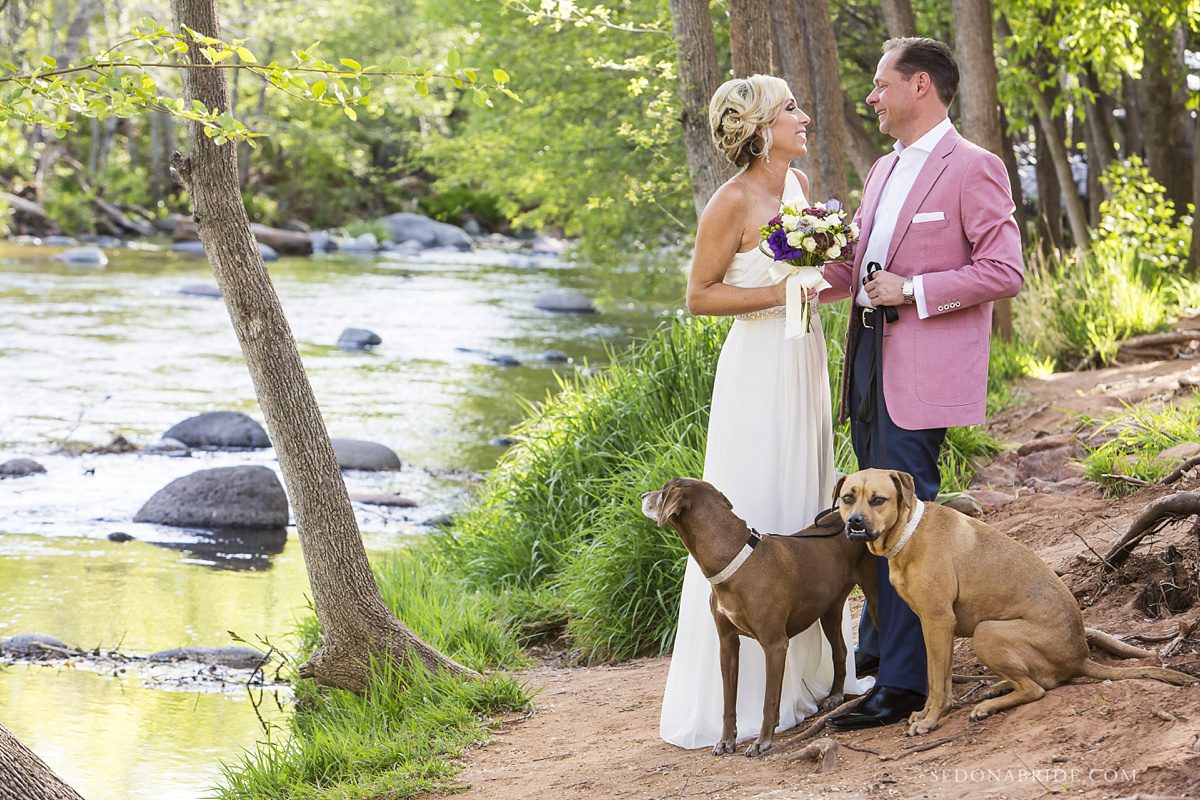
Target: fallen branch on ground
x=822 y=751
x=1181 y=471
x=819 y=723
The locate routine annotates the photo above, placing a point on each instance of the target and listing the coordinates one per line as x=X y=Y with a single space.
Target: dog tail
x=1091 y=669
x=1121 y=649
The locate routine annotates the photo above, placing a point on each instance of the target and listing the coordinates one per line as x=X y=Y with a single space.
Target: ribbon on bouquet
x=800 y=281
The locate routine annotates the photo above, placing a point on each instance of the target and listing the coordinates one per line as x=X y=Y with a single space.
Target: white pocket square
x=929 y=216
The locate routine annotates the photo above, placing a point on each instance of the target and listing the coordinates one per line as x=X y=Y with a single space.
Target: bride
x=770 y=436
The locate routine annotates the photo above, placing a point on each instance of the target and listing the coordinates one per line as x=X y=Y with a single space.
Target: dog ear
x=837 y=490
x=674 y=503
x=906 y=490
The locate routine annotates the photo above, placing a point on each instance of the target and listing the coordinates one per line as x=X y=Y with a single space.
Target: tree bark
x=24 y=776
x=1193 y=265
x=1050 y=210
x=1008 y=155
x=749 y=37
x=1076 y=213
x=788 y=33
x=978 y=98
x=698 y=80
x=1132 y=129
x=355 y=622
x=828 y=114
x=1164 y=90
x=898 y=18
x=861 y=148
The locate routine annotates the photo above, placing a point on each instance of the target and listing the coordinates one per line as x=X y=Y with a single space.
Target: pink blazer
x=935 y=369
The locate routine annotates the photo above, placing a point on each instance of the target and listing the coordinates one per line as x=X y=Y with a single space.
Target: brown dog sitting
x=767 y=587
x=962 y=578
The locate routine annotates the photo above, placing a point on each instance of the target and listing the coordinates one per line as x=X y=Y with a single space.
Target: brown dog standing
x=962 y=578
x=779 y=589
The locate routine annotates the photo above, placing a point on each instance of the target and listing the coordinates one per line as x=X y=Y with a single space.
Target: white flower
x=819 y=205
x=794 y=238
x=809 y=244
x=808 y=220
x=853 y=230
x=840 y=239
x=833 y=253
x=789 y=221
x=823 y=224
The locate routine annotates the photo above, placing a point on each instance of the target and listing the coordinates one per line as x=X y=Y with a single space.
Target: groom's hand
x=883 y=288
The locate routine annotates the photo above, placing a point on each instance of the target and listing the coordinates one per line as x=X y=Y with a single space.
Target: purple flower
x=832 y=205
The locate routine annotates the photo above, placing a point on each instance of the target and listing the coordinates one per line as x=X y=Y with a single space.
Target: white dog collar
x=738 y=560
x=908 y=530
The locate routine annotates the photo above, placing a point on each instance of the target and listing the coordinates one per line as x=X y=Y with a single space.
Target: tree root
x=1152 y=519
x=822 y=751
x=817 y=724
x=1181 y=471
x=1113 y=645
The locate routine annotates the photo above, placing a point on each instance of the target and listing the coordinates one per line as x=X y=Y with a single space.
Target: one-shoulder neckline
x=788 y=181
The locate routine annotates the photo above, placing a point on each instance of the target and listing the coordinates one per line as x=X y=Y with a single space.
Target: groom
x=939 y=245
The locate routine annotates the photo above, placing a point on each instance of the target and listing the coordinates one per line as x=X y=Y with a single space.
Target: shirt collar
x=929 y=141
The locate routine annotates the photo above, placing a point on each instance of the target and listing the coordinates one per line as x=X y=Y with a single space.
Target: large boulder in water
x=222 y=498
x=223 y=430
x=35 y=645
x=20 y=468
x=404 y=227
x=370 y=456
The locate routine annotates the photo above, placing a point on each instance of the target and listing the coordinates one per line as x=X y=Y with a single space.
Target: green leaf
x=49 y=62
x=471 y=74
x=422 y=88
x=500 y=76
x=453 y=59
x=480 y=98
x=352 y=64
x=318 y=89
x=351 y=113
x=245 y=55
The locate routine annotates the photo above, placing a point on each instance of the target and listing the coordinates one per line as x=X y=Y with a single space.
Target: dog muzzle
x=857 y=530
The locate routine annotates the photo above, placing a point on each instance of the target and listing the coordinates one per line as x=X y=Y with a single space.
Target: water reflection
x=242 y=550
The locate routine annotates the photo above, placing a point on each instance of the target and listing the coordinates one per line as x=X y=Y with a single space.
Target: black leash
x=871 y=403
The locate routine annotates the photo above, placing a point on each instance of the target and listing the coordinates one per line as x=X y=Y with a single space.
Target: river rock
x=564 y=302
x=554 y=356
x=267 y=252
x=231 y=657
x=505 y=360
x=220 y=498
x=221 y=430
x=364 y=243
x=35 y=645
x=1174 y=456
x=1048 y=459
x=210 y=290
x=20 y=468
x=60 y=241
x=291 y=243
x=92 y=256
x=358 y=339
x=368 y=456
x=550 y=245
x=192 y=247
x=409 y=247
x=430 y=233
x=119 y=536
x=167 y=446
x=322 y=242
x=390 y=500
x=502 y=441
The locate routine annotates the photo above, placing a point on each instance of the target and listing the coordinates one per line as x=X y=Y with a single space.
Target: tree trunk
x=1008 y=155
x=862 y=148
x=788 y=34
x=698 y=79
x=750 y=37
x=898 y=18
x=1098 y=116
x=1164 y=90
x=1050 y=210
x=828 y=115
x=24 y=776
x=978 y=98
x=355 y=622
x=1132 y=129
x=1193 y=266
x=1076 y=213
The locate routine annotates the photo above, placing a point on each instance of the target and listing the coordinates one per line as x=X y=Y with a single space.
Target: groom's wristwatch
x=908 y=292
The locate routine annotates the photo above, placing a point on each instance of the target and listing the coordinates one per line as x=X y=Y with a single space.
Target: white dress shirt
x=895 y=192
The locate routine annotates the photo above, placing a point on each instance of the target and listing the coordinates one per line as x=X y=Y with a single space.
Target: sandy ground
x=593 y=733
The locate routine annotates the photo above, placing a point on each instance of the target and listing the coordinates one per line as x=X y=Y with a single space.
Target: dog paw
x=979 y=713
x=757 y=749
x=921 y=727
x=723 y=747
x=831 y=702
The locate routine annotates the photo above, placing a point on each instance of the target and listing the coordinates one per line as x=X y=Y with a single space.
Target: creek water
x=87 y=354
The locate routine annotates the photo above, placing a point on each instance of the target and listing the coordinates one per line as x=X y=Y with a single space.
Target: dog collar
x=733 y=566
x=908 y=530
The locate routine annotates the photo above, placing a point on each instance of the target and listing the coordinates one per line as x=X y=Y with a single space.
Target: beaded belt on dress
x=777 y=312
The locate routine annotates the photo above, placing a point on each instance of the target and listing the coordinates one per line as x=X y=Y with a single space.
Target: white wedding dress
x=770 y=450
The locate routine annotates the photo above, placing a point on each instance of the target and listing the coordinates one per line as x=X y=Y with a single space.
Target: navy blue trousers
x=897 y=641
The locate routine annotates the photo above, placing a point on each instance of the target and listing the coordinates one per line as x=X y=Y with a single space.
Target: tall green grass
x=1145 y=430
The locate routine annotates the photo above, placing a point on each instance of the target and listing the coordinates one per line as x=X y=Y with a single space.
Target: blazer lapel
x=926 y=178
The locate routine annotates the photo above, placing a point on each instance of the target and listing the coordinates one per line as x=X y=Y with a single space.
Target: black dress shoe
x=865 y=664
x=883 y=705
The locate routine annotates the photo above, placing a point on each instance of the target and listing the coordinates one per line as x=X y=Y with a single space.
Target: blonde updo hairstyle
x=741 y=113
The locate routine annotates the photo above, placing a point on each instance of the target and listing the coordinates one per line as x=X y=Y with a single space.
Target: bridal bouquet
x=800 y=239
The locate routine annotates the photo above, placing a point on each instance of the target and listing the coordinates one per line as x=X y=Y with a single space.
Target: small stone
x=502 y=441
x=267 y=252
x=564 y=302
x=440 y=521
x=89 y=255
x=362 y=455
x=505 y=360
x=119 y=536
x=59 y=241
x=991 y=499
x=168 y=447
x=210 y=290
x=1058 y=759
x=358 y=339
x=554 y=356
x=20 y=468
x=192 y=248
